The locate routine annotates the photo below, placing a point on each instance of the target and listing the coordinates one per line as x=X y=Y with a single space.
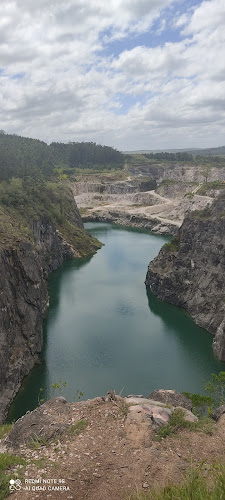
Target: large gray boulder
x=171 y=397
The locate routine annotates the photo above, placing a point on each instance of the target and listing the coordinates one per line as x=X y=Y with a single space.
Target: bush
x=172 y=246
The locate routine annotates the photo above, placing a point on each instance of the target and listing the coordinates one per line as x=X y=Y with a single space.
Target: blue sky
x=134 y=74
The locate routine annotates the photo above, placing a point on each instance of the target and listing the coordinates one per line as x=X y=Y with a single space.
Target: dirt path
x=114 y=456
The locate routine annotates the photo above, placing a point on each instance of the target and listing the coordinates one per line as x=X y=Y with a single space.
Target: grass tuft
x=77 y=428
x=197 y=486
x=4 y=430
x=7 y=461
x=37 y=442
x=177 y=423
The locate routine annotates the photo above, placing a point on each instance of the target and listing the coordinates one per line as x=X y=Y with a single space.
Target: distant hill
x=218 y=151
x=22 y=157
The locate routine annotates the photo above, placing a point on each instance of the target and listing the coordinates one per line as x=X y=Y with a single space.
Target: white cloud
x=57 y=84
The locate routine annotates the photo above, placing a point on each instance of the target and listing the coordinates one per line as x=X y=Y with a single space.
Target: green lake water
x=105 y=329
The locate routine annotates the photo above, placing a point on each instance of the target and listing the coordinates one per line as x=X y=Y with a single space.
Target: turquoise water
x=105 y=330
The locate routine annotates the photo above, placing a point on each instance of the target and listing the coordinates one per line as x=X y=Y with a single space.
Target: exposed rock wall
x=24 y=299
x=175 y=189
x=119 y=187
x=190 y=272
x=138 y=221
x=178 y=172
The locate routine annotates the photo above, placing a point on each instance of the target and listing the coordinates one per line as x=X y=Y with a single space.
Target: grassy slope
x=19 y=207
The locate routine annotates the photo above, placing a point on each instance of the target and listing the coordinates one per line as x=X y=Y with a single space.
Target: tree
x=206 y=172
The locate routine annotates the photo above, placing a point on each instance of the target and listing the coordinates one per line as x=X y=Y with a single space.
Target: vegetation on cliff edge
x=23 y=203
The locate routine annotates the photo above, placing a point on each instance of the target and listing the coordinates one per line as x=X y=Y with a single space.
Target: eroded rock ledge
x=190 y=271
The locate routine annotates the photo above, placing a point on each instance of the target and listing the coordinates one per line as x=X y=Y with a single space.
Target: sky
x=132 y=74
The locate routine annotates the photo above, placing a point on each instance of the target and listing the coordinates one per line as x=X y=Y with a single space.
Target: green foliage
x=59 y=386
x=26 y=158
x=216 y=388
x=4 y=430
x=7 y=461
x=206 y=171
x=124 y=407
x=217 y=185
x=201 y=404
x=177 y=422
x=77 y=428
x=172 y=246
x=37 y=442
x=180 y=156
x=21 y=205
x=168 y=182
x=201 y=214
x=41 y=398
x=78 y=395
x=197 y=486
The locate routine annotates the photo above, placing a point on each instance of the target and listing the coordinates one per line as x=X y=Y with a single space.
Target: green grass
x=53 y=201
x=172 y=246
x=201 y=404
x=201 y=214
x=4 y=430
x=198 y=485
x=177 y=423
x=37 y=442
x=7 y=461
x=77 y=428
x=207 y=186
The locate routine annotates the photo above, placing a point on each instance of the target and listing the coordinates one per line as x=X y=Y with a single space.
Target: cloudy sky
x=133 y=74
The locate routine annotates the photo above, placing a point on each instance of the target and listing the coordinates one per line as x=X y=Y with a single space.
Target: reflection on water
x=103 y=332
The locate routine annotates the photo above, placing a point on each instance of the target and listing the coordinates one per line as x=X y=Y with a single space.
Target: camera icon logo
x=15 y=484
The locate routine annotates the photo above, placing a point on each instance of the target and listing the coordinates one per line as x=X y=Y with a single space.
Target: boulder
x=157 y=415
x=171 y=397
x=218 y=412
x=37 y=427
x=188 y=415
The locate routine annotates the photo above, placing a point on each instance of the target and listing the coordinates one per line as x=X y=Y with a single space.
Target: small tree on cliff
x=206 y=172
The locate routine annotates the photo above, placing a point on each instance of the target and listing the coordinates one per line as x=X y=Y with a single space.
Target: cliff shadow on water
x=193 y=341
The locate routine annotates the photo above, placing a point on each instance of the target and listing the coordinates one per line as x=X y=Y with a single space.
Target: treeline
x=22 y=157
x=170 y=156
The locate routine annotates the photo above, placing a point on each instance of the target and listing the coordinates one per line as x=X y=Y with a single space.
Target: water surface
x=105 y=330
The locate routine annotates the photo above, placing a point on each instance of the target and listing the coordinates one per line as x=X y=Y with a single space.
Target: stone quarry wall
x=190 y=272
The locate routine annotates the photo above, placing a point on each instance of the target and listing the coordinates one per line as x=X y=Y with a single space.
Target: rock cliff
x=189 y=271
x=25 y=262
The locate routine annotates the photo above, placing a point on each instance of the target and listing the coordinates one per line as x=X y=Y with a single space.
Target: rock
x=201 y=240
x=60 y=399
x=171 y=397
x=139 y=401
x=188 y=415
x=218 y=412
x=37 y=426
x=157 y=415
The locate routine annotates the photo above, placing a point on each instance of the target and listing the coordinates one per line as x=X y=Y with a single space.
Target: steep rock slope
x=26 y=258
x=189 y=272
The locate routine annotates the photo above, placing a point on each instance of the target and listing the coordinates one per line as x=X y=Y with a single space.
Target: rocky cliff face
x=178 y=172
x=24 y=298
x=189 y=271
x=23 y=301
x=118 y=187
